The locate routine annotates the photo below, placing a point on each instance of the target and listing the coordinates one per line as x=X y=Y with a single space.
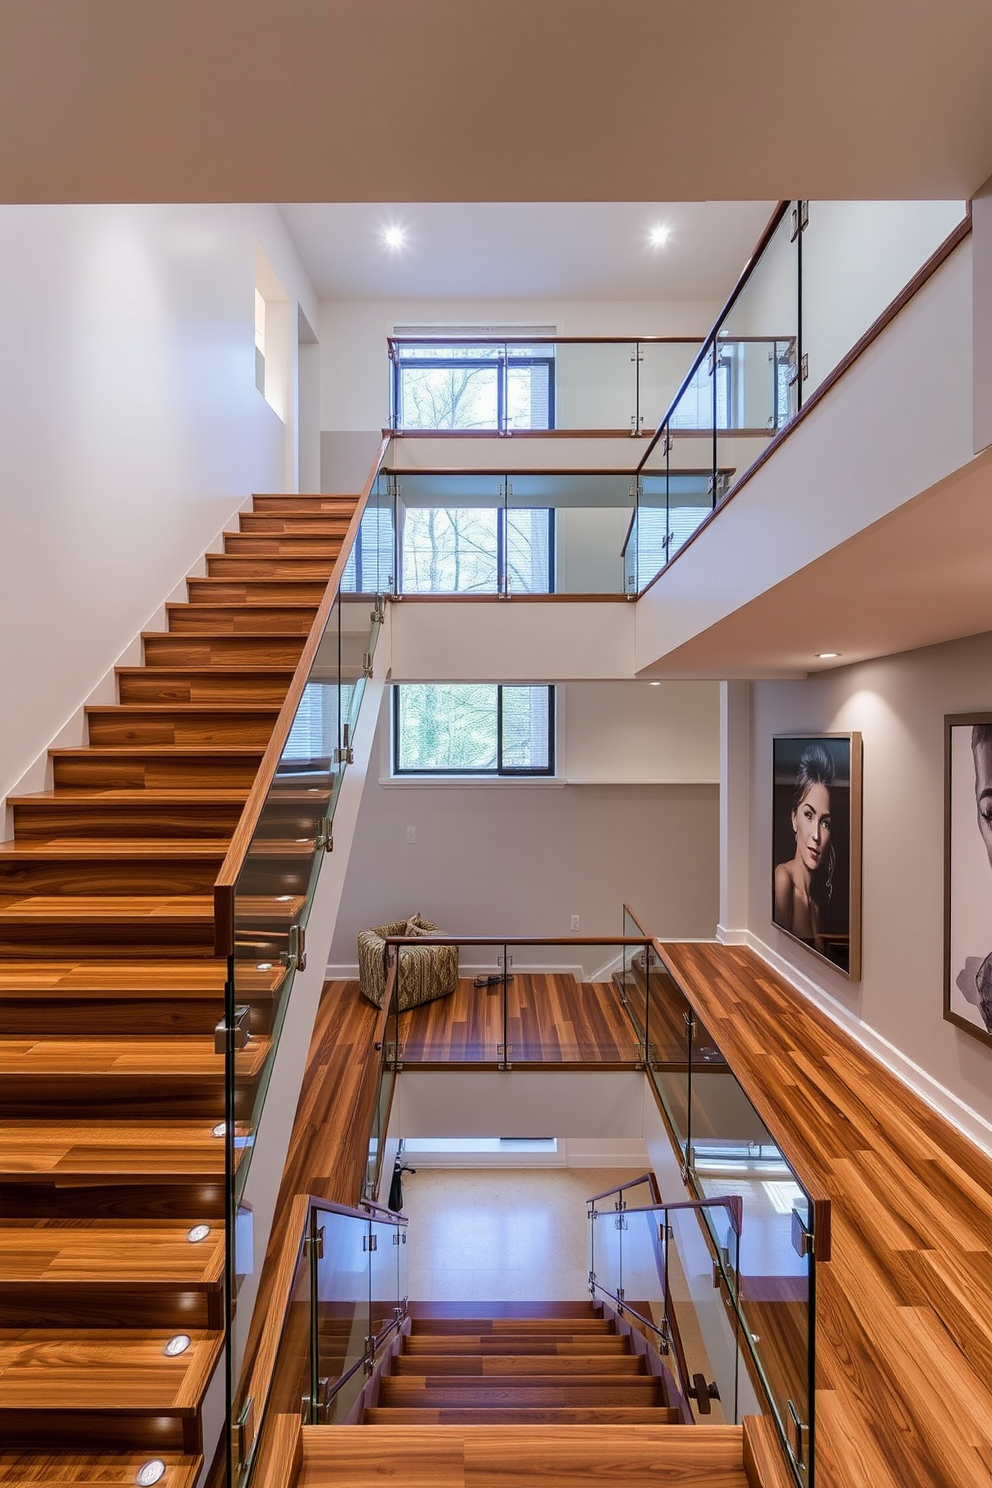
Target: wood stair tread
x=159 y=710
x=523 y=1415
x=138 y=1153
x=110 y=906
x=501 y=1366
x=84 y=1468
x=150 y=1058
x=132 y=848
x=148 y=1251
x=78 y=977
x=560 y=1456
x=158 y=751
x=103 y=1370
x=419 y=1344
x=167 y=795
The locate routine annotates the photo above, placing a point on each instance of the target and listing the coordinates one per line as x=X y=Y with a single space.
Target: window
x=472 y=728
x=477 y=550
x=472 y=385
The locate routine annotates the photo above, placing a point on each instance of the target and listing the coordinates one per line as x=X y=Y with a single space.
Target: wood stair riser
x=585 y=1415
x=440 y=1393
x=193 y=1200
x=182 y=724
x=174 y=770
x=209 y=686
x=208 y=649
x=275 y=590
x=312 y=546
x=304 y=524
x=245 y=566
x=54 y=1304
x=234 y=619
x=335 y=503
x=92 y=816
x=107 y=938
x=499 y=1367
x=163 y=1013
x=123 y=875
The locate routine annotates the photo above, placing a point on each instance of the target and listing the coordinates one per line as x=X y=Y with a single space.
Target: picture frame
x=968 y=873
x=816 y=845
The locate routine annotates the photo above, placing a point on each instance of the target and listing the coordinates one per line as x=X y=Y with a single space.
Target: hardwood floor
x=551 y=1019
x=904 y=1319
x=110 y=1087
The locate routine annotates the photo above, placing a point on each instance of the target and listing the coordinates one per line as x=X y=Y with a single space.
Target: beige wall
x=522 y=859
x=898 y=705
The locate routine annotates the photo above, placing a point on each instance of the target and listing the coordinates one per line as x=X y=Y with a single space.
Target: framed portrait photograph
x=816 y=844
x=968 y=872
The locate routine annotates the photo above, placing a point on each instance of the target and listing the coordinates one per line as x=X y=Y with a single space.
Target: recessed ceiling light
x=658 y=235
x=394 y=237
x=197 y=1233
x=150 y=1472
x=654 y=684
x=827 y=655
x=177 y=1345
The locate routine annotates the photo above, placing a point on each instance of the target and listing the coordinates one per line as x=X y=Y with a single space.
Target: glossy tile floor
x=501 y=1234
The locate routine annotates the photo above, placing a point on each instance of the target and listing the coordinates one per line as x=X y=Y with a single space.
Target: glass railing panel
x=757 y=359
x=669 y=1065
x=449 y=387
x=564 y=1006
x=384 y=1276
x=632 y=982
x=708 y=1324
x=583 y=531
x=605 y=1248
x=448 y=533
x=370 y=566
x=386 y=1080
x=342 y=1308
x=596 y=385
x=435 y=1028
x=856 y=257
x=663 y=366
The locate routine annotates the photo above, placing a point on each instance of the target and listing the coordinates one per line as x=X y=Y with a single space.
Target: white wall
x=355 y=380
x=898 y=705
x=131 y=432
x=857 y=256
x=521 y=859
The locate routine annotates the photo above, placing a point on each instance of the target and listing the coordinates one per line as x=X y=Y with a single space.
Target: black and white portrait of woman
x=968 y=879
x=814 y=878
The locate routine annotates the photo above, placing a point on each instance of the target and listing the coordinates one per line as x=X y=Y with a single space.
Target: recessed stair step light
x=197 y=1233
x=177 y=1345
x=150 y=1472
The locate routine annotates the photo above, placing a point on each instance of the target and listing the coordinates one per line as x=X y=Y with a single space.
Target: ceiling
x=526 y=250
x=493 y=100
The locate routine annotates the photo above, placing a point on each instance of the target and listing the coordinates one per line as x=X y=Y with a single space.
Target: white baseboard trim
x=944 y=1101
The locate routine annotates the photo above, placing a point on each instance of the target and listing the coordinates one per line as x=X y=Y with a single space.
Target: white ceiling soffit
x=919 y=576
x=496 y=100
x=526 y=250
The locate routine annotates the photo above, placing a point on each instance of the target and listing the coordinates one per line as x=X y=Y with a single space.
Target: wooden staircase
x=542 y=1392
x=109 y=992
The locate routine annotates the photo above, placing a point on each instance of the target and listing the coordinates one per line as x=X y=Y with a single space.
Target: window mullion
x=499 y=729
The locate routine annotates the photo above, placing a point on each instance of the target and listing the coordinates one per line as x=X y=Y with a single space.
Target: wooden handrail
x=648 y=1178
x=517 y=940
x=491 y=338
x=732 y=298
x=226 y=881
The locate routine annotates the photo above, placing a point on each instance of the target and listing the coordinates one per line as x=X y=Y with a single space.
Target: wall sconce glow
x=197 y=1233
x=177 y=1345
x=394 y=237
x=150 y=1472
x=658 y=235
x=827 y=655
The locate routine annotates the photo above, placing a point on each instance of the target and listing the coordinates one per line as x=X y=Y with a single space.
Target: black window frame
x=502 y=571
x=501 y=771
x=504 y=362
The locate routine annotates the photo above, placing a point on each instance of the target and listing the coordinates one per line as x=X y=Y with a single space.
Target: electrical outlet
x=411 y=835
x=575 y=922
